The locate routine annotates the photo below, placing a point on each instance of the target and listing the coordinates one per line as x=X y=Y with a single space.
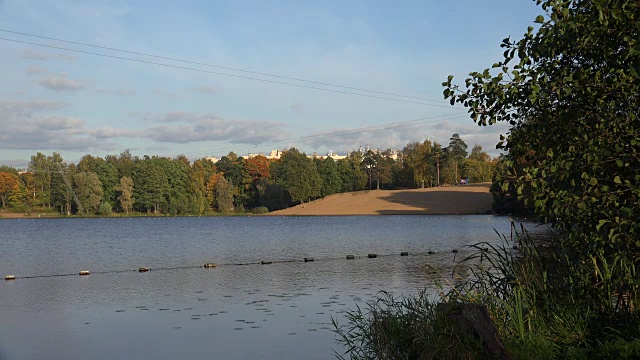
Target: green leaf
x=593 y=181
x=539 y=19
x=620 y=163
x=600 y=224
x=550 y=153
x=617 y=180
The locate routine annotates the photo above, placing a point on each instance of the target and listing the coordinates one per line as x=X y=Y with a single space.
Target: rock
x=350 y=257
x=473 y=321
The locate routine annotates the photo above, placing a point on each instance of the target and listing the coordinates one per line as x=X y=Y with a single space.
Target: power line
x=219 y=66
x=337 y=133
x=224 y=74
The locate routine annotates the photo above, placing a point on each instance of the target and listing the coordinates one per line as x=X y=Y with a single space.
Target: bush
x=543 y=303
x=260 y=210
x=105 y=209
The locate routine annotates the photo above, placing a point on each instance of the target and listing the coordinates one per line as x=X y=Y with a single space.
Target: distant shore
x=444 y=200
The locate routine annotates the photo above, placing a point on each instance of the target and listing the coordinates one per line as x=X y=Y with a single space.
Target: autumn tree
x=8 y=184
x=125 y=188
x=210 y=187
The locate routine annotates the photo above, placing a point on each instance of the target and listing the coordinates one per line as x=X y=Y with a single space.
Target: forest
x=127 y=184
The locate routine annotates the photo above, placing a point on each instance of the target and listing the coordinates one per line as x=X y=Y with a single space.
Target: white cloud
x=186 y=127
x=27 y=125
x=61 y=83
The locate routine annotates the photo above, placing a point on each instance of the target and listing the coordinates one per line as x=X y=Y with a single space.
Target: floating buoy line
x=144 y=269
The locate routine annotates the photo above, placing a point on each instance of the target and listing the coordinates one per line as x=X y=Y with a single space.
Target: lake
x=241 y=309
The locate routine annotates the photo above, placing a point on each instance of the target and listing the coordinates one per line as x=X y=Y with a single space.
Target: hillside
x=463 y=199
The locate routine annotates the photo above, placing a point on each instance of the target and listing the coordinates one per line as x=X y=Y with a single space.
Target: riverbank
x=444 y=200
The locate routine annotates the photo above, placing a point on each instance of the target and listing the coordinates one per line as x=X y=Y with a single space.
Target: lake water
x=179 y=310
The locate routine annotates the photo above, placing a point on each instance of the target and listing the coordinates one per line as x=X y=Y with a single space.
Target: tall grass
x=545 y=303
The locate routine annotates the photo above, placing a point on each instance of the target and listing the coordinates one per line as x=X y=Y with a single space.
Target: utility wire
x=219 y=66
x=225 y=74
x=337 y=133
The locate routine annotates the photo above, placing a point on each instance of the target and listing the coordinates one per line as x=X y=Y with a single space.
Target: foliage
x=125 y=188
x=272 y=195
x=298 y=175
x=572 y=98
x=542 y=303
x=105 y=208
x=8 y=169
x=224 y=194
x=152 y=186
x=176 y=186
x=404 y=328
x=260 y=210
x=89 y=191
x=8 y=184
x=331 y=181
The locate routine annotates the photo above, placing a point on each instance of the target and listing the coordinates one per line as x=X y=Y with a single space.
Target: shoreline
x=472 y=199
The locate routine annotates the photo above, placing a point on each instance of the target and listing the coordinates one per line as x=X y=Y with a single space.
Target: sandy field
x=10 y=215
x=445 y=200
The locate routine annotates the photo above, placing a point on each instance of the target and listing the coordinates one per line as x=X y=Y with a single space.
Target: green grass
x=544 y=303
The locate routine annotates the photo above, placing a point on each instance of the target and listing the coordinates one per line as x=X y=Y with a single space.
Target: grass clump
x=544 y=303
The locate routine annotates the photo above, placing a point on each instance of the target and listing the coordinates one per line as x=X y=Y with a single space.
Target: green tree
x=124 y=163
x=125 y=188
x=457 y=152
x=89 y=190
x=152 y=187
x=9 y=170
x=197 y=188
x=224 y=195
x=41 y=168
x=570 y=91
x=272 y=195
x=62 y=192
x=298 y=175
x=331 y=181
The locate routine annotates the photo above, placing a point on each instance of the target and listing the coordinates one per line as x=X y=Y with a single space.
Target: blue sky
x=74 y=103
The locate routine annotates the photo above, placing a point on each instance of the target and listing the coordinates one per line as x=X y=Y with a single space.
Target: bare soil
x=444 y=200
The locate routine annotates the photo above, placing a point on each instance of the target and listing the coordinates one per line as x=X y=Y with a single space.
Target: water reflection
x=280 y=310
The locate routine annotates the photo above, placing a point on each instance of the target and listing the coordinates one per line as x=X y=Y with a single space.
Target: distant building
x=274 y=155
x=213 y=159
x=330 y=154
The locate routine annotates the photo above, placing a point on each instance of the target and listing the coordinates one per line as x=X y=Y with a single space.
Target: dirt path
x=463 y=199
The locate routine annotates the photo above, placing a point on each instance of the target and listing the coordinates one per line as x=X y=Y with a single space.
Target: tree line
x=159 y=185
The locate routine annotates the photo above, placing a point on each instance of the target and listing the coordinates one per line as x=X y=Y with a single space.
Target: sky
x=75 y=103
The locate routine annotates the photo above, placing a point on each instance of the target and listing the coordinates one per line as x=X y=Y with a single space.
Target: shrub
x=105 y=208
x=260 y=210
